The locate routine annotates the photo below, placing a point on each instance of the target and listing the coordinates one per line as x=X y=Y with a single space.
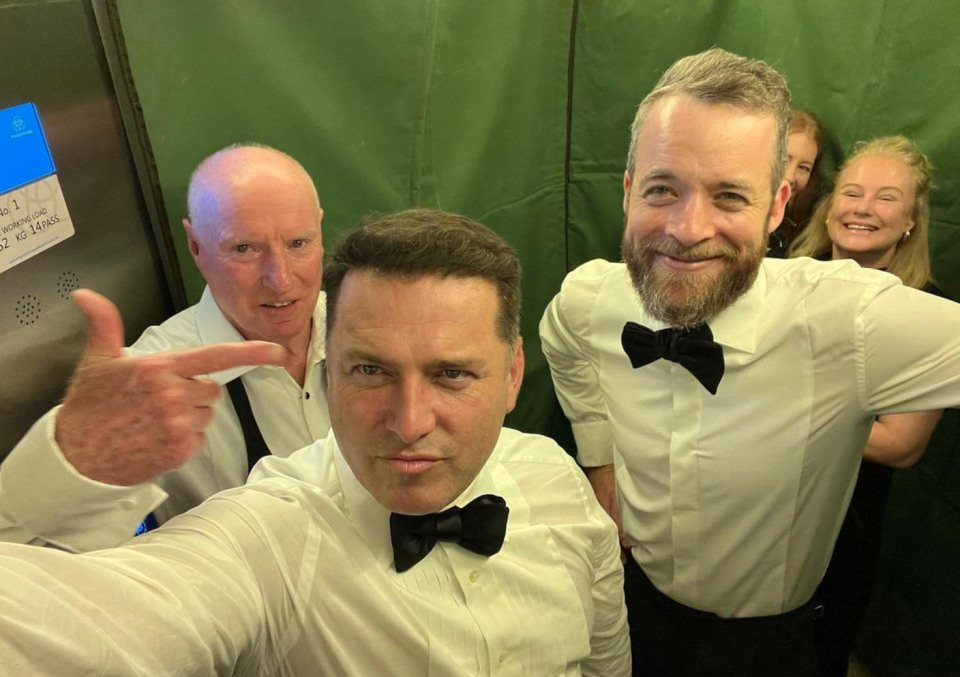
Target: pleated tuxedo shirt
x=733 y=502
x=293 y=575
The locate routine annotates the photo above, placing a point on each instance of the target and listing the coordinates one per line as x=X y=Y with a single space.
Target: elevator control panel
x=33 y=213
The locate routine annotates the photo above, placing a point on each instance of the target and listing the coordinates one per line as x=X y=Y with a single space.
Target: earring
x=906 y=235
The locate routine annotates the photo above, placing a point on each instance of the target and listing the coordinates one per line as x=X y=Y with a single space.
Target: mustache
x=676 y=250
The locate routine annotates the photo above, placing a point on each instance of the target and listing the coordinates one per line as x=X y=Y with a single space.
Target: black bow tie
x=478 y=526
x=693 y=348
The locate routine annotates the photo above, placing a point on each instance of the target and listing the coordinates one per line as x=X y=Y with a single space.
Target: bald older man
x=137 y=433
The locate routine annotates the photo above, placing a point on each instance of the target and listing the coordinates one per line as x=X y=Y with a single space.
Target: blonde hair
x=911 y=260
x=718 y=77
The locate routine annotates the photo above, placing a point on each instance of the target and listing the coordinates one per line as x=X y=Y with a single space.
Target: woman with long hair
x=878 y=215
x=896 y=238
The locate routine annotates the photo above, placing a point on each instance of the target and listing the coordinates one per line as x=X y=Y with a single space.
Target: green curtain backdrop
x=516 y=112
x=388 y=105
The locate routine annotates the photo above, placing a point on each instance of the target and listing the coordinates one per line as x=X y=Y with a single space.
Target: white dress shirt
x=43 y=499
x=733 y=502
x=293 y=575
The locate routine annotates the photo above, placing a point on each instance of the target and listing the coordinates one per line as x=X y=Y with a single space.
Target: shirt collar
x=214 y=327
x=735 y=326
x=318 y=351
x=372 y=520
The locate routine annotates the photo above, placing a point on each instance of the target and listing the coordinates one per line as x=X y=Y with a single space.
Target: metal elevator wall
x=51 y=54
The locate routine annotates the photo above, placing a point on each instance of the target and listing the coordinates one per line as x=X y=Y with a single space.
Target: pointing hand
x=126 y=420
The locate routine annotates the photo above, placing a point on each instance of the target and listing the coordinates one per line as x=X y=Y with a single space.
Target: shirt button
x=504 y=655
x=307 y=395
x=474 y=576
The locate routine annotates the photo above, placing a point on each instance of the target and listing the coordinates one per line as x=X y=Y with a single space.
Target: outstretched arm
x=207 y=594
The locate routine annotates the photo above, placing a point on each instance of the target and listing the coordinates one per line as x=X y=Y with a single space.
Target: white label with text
x=33 y=218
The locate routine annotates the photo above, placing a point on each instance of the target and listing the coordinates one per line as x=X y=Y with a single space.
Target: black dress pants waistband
x=670 y=639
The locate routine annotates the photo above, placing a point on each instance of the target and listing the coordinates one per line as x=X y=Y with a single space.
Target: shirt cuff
x=44 y=493
x=594 y=443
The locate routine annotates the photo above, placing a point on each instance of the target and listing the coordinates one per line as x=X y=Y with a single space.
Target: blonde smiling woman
x=878 y=215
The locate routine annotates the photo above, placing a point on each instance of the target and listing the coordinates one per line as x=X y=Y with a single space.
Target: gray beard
x=688 y=299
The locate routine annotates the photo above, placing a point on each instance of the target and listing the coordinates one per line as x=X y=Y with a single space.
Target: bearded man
x=720 y=401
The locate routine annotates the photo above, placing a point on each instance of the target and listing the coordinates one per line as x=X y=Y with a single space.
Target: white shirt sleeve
x=221 y=591
x=45 y=501
x=908 y=348
x=564 y=339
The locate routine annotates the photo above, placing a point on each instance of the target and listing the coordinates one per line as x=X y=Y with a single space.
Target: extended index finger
x=210 y=359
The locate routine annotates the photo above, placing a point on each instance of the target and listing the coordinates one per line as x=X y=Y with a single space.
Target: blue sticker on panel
x=24 y=154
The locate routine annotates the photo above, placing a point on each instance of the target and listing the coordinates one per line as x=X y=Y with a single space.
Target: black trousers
x=846 y=587
x=672 y=640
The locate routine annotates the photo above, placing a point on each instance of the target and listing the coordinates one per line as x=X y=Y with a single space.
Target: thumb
x=104 y=325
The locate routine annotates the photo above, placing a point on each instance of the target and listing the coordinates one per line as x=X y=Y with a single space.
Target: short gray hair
x=718 y=77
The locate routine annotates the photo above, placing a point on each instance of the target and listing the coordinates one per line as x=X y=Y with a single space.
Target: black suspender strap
x=256 y=446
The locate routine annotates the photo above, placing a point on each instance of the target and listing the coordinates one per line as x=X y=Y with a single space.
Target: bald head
x=222 y=181
x=254 y=233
